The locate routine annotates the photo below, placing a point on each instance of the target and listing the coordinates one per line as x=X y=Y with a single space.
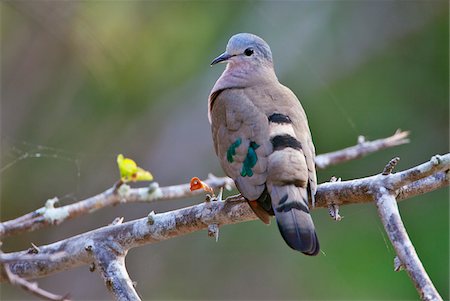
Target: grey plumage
x=263 y=141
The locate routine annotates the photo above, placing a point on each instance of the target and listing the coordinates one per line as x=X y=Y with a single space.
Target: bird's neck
x=244 y=75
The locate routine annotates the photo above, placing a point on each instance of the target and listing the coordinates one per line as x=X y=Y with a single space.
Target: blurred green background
x=83 y=81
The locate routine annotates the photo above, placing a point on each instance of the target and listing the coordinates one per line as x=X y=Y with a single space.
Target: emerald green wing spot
x=232 y=149
x=230 y=155
x=250 y=160
x=246 y=171
x=254 y=145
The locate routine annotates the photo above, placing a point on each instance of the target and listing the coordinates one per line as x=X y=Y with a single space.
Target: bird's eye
x=248 y=51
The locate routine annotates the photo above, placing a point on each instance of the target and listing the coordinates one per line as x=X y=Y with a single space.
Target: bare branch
x=235 y=210
x=9 y=258
x=436 y=164
x=31 y=287
x=110 y=260
x=362 y=149
x=119 y=193
x=422 y=186
x=418 y=180
x=49 y=215
x=390 y=217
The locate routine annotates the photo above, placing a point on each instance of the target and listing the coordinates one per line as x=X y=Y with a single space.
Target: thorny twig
x=122 y=193
x=31 y=287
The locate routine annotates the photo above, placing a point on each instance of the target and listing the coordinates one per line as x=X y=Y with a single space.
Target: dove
x=262 y=139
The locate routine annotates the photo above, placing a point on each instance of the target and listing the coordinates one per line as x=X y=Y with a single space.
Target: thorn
x=117 y=221
x=108 y=282
x=361 y=139
x=92 y=267
x=34 y=249
x=152 y=187
x=213 y=231
x=334 y=179
x=333 y=210
x=151 y=218
x=390 y=166
x=50 y=203
x=436 y=160
x=219 y=196
x=122 y=191
x=398 y=265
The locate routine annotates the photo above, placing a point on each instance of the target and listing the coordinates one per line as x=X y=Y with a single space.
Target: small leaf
x=197 y=184
x=129 y=171
x=142 y=175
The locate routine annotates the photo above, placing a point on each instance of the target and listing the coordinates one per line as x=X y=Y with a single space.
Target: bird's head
x=246 y=49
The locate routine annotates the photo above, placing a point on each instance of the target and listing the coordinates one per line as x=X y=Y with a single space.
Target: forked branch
x=50 y=215
x=158 y=227
x=105 y=248
x=406 y=253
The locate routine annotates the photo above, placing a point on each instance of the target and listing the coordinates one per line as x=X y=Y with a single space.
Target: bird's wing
x=290 y=168
x=278 y=102
x=245 y=113
x=293 y=108
x=240 y=133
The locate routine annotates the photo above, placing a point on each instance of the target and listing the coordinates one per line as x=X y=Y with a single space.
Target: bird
x=262 y=139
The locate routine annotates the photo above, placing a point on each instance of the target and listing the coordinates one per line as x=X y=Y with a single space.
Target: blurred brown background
x=83 y=81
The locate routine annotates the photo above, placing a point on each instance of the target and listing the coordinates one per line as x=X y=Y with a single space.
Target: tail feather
x=294 y=221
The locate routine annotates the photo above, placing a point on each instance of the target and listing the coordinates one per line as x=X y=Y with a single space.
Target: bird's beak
x=221 y=58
